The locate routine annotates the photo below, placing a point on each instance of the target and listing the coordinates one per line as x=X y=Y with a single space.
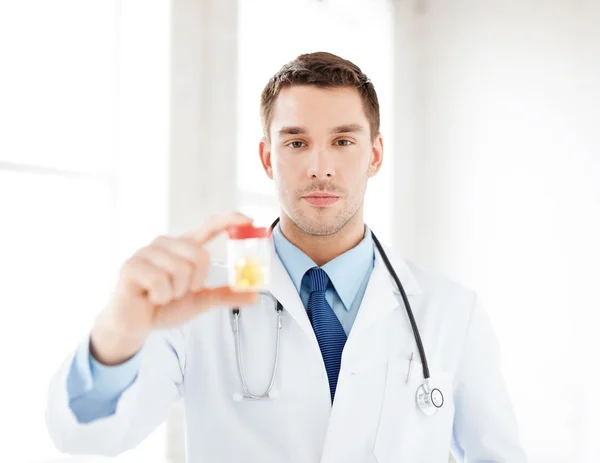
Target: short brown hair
x=323 y=70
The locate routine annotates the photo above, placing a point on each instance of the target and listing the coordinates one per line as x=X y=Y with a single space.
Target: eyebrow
x=290 y=130
x=347 y=128
x=294 y=130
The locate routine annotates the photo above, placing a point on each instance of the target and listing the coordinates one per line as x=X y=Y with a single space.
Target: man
x=348 y=364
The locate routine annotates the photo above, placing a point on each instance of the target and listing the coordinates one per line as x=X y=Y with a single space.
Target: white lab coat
x=374 y=417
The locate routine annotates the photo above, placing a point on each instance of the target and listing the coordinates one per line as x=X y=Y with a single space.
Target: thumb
x=225 y=296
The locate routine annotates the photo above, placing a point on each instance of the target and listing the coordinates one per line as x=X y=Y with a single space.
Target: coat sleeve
x=485 y=426
x=140 y=409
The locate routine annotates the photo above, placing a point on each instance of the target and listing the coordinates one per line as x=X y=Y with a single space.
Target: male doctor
x=348 y=367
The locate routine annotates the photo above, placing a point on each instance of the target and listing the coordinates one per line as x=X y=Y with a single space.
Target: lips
x=321 y=200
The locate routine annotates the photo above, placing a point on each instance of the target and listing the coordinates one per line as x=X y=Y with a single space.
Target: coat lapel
x=382 y=296
x=284 y=291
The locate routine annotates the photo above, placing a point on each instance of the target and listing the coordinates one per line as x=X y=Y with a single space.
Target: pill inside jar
x=248 y=258
x=249 y=273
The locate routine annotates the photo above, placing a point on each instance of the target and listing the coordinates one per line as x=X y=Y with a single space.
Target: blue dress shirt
x=94 y=389
x=348 y=275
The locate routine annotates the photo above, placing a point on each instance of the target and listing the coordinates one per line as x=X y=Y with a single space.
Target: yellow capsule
x=249 y=273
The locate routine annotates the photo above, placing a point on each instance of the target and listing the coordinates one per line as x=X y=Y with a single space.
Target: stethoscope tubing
x=409 y=311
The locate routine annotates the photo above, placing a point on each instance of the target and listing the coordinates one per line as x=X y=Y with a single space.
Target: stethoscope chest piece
x=429 y=399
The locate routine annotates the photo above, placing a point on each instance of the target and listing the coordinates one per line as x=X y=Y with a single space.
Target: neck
x=322 y=249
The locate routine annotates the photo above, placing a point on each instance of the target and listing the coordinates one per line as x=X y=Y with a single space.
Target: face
x=320 y=156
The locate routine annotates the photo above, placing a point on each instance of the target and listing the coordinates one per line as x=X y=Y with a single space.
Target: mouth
x=321 y=199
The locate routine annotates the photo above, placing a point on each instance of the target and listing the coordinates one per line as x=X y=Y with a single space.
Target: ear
x=264 y=150
x=376 y=156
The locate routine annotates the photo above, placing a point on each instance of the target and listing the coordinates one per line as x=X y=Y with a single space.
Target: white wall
x=406 y=107
x=505 y=152
x=203 y=133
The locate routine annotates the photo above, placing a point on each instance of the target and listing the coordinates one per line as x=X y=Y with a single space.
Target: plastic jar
x=248 y=258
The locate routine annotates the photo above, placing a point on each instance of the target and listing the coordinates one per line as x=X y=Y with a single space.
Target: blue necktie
x=327 y=327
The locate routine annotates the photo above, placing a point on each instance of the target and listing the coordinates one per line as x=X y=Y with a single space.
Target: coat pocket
x=405 y=432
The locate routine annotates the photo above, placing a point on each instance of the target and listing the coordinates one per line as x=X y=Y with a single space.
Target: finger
x=225 y=296
x=196 y=255
x=192 y=304
x=211 y=228
x=148 y=278
x=179 y=270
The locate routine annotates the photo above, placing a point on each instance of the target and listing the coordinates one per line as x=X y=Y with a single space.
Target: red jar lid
x=243 y=232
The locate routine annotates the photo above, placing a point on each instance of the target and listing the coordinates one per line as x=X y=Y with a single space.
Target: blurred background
x=122 y=120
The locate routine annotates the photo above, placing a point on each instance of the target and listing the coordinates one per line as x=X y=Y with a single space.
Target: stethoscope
x=429 y=399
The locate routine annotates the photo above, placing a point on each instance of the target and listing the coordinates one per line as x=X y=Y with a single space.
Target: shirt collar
x=346 y=272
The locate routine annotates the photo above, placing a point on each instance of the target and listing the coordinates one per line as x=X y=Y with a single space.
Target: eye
x=296 y=144
x=344 y=142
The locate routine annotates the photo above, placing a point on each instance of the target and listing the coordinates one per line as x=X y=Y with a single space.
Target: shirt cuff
x=107 y=382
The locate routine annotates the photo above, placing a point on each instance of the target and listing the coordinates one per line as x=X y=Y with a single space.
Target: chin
x=320 y=222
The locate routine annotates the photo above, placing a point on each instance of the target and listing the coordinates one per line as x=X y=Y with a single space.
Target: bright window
x=68 y=206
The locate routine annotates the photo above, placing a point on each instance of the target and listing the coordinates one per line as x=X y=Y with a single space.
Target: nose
x=321 y=165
